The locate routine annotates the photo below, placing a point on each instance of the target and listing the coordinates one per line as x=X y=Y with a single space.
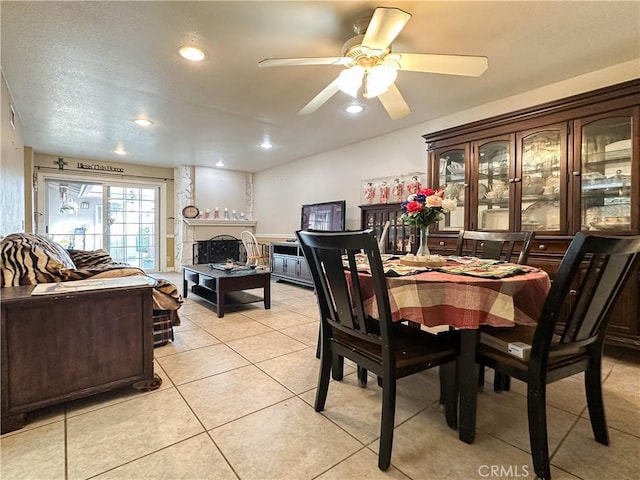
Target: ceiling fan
x=370 y=64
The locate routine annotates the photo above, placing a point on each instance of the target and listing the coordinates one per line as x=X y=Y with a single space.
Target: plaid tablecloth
x=437 y=298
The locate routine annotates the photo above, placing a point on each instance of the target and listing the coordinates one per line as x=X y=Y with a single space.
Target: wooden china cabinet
x=559 y=168
x=401 y=238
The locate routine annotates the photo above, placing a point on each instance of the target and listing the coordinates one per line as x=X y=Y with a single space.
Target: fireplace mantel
x=197 y=222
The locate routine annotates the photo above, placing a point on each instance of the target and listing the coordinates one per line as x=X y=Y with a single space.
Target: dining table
x=463 y=293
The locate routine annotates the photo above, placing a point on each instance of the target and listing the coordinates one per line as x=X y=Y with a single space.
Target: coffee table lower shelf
x=231 y=299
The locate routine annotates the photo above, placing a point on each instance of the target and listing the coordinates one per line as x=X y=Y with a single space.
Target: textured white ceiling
x=80 y=72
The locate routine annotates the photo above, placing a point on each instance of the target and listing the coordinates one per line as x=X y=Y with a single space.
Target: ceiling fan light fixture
x=350 y=80
x=379 y=79
x=354 y=108
x=193 y=54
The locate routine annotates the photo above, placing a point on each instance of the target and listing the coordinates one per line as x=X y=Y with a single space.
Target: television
x=327 y=216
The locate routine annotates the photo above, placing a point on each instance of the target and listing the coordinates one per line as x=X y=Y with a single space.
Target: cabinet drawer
x=443 y=245
x=552 y=247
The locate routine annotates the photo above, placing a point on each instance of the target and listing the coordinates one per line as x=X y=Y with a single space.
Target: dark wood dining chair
x=570 y=333
x=513 y=247
x=391 y=350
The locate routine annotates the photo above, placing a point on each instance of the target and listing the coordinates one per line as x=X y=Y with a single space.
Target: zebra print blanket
x=28 y=259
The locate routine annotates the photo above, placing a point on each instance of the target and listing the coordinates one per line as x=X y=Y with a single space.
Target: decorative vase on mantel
x=423 y=248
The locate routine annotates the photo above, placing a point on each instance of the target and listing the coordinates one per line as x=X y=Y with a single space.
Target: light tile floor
x=236 y=403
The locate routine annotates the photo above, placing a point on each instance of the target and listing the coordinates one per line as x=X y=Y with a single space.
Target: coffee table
x=222 y=288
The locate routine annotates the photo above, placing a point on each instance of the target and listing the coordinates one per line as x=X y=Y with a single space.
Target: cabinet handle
x=441 y=243
x=465 y=185
x=512 y=180
x=542 y=246
x=573 y=292
x=517 y=180
x=576 y=174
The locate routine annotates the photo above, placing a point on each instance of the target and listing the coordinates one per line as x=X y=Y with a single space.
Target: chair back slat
x=335 y=289
x=601 y=282
x=592 y=274
x=332 y=261
x=506 y=246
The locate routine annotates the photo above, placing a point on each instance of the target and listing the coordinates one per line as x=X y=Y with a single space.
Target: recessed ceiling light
x=143 y=122
x=354 y=108
x=120 y=151
x=219 y=164
x=266 y=142
x=193 y=54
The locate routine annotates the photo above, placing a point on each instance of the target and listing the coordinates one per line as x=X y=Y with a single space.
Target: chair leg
x=362 y=377
x=323 y=380
x=337 y=371
x=537 y=412
x=595 y=402
x=501 y=382
x=387 y=422
x=481 y=377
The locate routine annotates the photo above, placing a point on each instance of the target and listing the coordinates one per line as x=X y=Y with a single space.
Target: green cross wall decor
x=61 y=163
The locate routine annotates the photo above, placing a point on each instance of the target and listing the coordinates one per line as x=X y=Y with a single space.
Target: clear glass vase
x=423 y=248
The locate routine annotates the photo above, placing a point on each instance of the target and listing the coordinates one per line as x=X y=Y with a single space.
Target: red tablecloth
x=437 y=298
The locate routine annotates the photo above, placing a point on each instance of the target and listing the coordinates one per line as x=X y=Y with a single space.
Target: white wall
x=12 y=191
x=216 y=187
x=280 y=192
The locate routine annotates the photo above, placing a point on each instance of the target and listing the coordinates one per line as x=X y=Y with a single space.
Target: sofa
x=30 y=259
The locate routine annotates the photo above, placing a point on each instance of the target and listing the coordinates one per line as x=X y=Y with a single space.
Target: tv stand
x=288 y=263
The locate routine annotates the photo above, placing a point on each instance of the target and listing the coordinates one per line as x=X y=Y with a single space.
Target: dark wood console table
x=221 y=288
x=62 y=346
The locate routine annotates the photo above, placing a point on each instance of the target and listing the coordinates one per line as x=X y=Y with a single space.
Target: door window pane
x=74 y=214
x=132 y=219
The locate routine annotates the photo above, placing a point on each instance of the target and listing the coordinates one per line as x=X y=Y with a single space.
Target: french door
x=121 y=218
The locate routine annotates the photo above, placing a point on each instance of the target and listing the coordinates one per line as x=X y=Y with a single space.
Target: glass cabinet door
x=451 y=163
x=494 y=164
x=542 y=166
x=605 y=174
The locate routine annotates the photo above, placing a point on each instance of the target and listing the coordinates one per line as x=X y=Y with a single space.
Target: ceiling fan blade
x=385 y=25
x=468 y=65
x=288 y=62
x=394 y=103
x=317 y=101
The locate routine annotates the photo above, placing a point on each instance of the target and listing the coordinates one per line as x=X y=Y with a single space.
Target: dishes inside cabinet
x=443 y=166
x=617 y=150
x=531 y=226
x=609 y=217
x=456 y=168
x=552 y=186
x=533 y=185
x=495 y=219
x=542 y=215
x=593 y=178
